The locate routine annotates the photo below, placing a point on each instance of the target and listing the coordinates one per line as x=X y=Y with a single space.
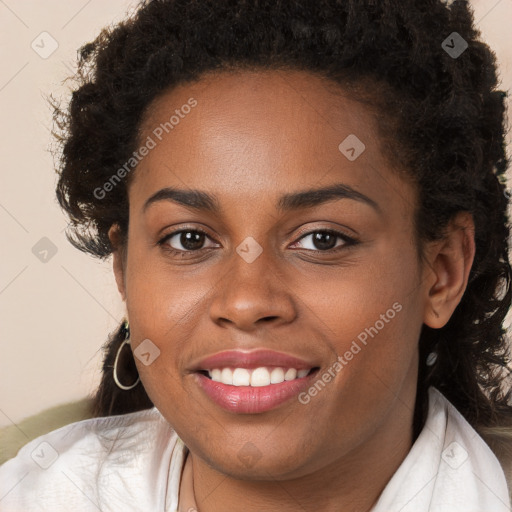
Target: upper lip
x=251 y=359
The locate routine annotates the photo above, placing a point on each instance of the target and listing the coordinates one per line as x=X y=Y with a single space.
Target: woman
x=305 y=208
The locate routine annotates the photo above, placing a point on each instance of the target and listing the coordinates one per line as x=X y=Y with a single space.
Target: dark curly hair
x=440 y=114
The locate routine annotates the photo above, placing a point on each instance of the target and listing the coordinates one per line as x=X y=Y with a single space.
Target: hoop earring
x=126 y=341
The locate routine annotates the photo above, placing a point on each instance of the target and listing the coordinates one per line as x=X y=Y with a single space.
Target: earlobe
x=450 y=262
x=117 y=258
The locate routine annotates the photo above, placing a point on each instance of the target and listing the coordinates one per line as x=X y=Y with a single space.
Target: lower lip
x=252 y=400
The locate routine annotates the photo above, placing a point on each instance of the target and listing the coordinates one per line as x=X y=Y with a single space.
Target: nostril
x=268 y=318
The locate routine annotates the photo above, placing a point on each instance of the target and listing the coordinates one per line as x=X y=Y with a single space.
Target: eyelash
x=348 y=241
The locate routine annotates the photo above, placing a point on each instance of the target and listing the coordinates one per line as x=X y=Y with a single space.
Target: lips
x=247 y=397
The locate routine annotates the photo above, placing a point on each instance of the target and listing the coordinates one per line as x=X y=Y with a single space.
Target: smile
x=241 y=396
x=257 y=377
x=255 y=381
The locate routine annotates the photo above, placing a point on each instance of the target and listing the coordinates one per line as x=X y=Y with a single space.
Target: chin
x=250 y=463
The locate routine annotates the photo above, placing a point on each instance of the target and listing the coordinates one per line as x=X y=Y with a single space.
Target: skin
x=252 y=138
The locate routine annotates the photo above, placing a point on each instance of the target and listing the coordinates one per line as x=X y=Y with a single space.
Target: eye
x=325 y=240
x=193 y=240
x=185 y=240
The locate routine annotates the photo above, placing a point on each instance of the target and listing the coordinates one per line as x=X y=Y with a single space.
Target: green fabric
x=14 y=437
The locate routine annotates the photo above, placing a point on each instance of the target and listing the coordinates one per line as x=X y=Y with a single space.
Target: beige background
x=55 y=315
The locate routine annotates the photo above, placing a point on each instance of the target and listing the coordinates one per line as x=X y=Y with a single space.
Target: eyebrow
x=203 y=201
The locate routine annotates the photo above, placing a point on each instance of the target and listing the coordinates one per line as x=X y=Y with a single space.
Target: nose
x=252 y=294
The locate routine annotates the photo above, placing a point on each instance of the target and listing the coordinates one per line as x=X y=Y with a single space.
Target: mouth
x=257 y=377
x=250 y=382
x=244 y=391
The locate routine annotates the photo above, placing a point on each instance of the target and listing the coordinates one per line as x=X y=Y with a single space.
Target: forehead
x=294 y=103
x=290 y=129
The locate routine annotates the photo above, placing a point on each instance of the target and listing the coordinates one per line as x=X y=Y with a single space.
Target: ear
x=450 y=261
x=114 y=236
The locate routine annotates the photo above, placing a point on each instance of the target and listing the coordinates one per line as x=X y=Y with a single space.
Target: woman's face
x=331 y=278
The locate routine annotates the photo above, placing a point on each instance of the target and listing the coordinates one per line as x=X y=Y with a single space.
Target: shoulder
x=499 y=439
x=14 y=437
x=70 y=464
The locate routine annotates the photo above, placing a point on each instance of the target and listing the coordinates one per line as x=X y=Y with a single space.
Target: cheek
x=163 y=307
x=375 y=362
x=375 y=297
x=157 y=295
x=372 y=318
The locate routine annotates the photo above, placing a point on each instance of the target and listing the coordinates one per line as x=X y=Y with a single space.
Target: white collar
x=449 y=468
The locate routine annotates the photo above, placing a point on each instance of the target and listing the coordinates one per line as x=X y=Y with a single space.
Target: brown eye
x=186 y=240
x=325 y=240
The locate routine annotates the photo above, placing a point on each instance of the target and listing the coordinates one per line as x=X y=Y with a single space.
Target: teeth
x=256 y=378
x=260 y=377
x=277 y=376
x=226 y=377
x=290 y=374
x=241 y=377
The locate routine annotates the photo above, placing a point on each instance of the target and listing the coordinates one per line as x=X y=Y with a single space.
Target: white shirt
x=133 y=462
